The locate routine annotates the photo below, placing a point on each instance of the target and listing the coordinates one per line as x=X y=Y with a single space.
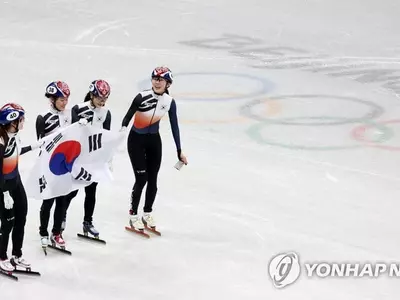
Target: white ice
x=239 y=202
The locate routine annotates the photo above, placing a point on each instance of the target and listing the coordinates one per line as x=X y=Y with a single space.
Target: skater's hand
x=37 y=144
x=123 y=129
x=8 y=200
x=183 y=158
x=82 y=121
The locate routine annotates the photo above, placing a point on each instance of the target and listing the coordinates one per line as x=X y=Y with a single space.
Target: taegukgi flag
x=72 y=158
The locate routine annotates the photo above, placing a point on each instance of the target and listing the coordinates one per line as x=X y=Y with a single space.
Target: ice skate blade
x=65 y=251
x=139 y=232
x=8 y=275
x=153 y=230
x=26 y=272
x=90 y=238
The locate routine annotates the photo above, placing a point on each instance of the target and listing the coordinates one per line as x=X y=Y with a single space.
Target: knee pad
x=141 y=179
x=7 y=221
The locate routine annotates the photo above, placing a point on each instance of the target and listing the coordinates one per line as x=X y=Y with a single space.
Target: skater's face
x=159 y=84
x=61 y=103
x=21 y=123
x=16 y=125
x=99 y=101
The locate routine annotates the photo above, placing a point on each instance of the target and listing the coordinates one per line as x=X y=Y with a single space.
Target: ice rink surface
x=289 y=118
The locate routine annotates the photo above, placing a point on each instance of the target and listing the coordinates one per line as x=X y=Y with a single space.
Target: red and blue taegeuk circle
x=64 y=156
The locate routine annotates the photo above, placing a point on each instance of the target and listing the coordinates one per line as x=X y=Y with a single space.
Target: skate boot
x=20 y=262
x=57 y=241
x=148 y=220
x=44 y=240
x=136 y=222
x=89 y=228
x=6 y=266
x=63 y=225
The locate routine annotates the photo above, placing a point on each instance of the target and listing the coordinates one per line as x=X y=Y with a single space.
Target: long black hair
x=4 y=129
x=3 y=134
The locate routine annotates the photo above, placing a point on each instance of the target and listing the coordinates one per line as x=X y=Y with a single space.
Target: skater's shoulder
x=145 y=93
x=81 y=105
x=168 y=97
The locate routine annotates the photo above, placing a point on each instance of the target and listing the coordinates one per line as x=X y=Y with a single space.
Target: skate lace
x=133 y=218
x=138 y=222
x=7 y=264
x=20 y=260
x=149 y=219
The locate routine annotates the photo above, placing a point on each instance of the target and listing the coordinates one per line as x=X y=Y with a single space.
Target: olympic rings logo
x=264 y=112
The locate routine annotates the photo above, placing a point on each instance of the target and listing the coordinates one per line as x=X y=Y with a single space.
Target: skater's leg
x=137 y=156
x=7 y=223
x=153 y=160
x=59 y=213
x=45 y=216
x=68 y=199
x=90 y=201
x=20 y=211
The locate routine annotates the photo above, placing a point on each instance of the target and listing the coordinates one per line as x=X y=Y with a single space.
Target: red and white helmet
x=100 y=88
x=57 y=89
x=162 y=72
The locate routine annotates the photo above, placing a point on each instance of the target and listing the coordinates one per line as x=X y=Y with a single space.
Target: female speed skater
x=13 y=200
x=56 y=117
x=93 y=110
x=144 y=142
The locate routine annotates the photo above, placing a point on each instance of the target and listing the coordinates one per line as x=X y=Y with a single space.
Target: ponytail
x=87 y=97
x=4 y=135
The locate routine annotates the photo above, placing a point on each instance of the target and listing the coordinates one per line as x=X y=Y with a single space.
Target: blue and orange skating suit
x=11 y=157
x=149 y=108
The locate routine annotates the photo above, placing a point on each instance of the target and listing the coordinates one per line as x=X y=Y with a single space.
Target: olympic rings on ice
x=375 y=111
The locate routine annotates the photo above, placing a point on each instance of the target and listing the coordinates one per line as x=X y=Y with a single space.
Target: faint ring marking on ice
x=254 y=132
x=264 y=86
x=359 y=133
x=105 y=30
x=103 y=27
x=116 y=24
x=376 y=111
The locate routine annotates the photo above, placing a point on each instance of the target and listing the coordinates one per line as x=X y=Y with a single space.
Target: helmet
x=100 y=88
x=162 y=72
x=11 y=112
x=57 y=89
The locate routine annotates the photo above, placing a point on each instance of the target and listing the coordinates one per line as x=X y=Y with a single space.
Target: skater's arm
x=35 y=145
x=40 y=127
x=25 y=149
x=107 y=121
x=131 y=111
x=74 y=114
x=173 y=119
x=40 y=133
x=2 y=149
